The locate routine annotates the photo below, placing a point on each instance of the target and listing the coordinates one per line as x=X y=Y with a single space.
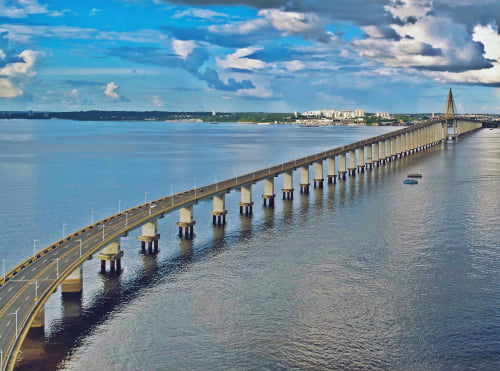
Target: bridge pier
x=304 y=179
x=368 y=156
x=376 y=154
x=150 y=236
x=246 y=204
x=186 y=222
x=330 y=172
x=219 y=210
x=113 y=254
x=74 y=282
x=361 y=159
x=318 y=174
x=382 y=152
x=287 y=185
x=268 y=196
x=352 y=162
x=342 y=166
x=392 y=145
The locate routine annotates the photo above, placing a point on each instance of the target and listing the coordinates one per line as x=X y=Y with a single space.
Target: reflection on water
x=365 y=274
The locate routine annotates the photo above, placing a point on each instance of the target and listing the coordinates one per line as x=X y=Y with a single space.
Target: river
x=365 y=274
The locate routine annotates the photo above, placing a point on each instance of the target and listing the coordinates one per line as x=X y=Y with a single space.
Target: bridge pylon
x=450 y=111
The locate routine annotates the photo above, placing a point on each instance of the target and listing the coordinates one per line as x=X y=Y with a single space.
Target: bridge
x=26 y=287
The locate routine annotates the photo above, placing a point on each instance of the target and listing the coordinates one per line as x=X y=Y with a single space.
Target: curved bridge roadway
x=26 y=287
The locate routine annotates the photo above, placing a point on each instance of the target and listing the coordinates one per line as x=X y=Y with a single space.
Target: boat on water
x=415 y=175
x=410 y=181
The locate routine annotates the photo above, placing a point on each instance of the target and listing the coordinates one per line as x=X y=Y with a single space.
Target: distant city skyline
x=249 y=55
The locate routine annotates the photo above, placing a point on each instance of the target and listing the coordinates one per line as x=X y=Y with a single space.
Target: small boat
x=410 y=181
x=415 y=175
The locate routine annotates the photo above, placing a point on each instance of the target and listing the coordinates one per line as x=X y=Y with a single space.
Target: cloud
x=431 y=43
x=21 y=8
x=16 y=74
x=183 y=48
x=157 y=101
x=110 y=91
x=26 y=33
x=238 y=60
x=206 y=14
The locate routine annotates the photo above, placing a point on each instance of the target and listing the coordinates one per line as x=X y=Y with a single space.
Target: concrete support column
x=388 y=150
x=246 y=203
x=397 y=141
x=361 y=159
x=318 y=174
x=113 y=254
x=39 y=321
x=304 y=179
x=288 y=185
x=376 y=153
x=269 y=195
x=330 y=172
x=352 y=162
x=149 y=236
x=74 y=282
x=186 y=222
x=393 y=148
x=382 y=151
x=444 y=131
x=368 y=156
x=219 y=210
x=342 y=166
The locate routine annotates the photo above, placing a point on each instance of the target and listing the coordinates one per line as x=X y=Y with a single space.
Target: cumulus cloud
x=15 y=75
x=110 y=91
x=199 y=13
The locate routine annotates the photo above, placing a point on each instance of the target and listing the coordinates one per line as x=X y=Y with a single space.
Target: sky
x=249 y=55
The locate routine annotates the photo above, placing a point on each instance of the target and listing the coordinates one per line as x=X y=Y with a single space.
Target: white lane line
x=33 y=269
x=10 y=288
x=8 y=323
x=23 y=278
x=67 y=260
x=27 y=298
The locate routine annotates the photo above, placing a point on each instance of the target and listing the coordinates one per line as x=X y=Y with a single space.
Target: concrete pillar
x=361 y=159
x=186 y=222
x=149 y=236
x=342 y=166
x=382 y=151
x=39 y=321
x=405 y=148
x=288 y=185
x=318 y=174
x=376 y=154
x=352 y=162
x=246 y=203
x=368 y=156
x=330 y=171
x=393 y=148
x=219 y=209
x=304 y=179
x=397 y=141
x=113 y=254
x=269 y=195
x=74 y=282
x=388 y=150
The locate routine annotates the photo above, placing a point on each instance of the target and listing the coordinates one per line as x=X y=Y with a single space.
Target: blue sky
x=249 y=55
